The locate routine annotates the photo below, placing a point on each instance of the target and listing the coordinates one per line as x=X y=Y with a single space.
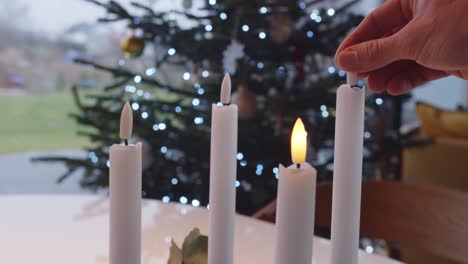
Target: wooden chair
x=424 y=217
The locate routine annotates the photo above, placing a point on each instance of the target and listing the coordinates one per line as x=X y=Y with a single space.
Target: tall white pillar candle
x=347 y=176
x=125 y=196
x=296 y=204
x=222 y=178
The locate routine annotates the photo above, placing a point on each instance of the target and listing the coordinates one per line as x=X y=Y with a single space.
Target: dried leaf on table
x=194 y=250
x=176 y=256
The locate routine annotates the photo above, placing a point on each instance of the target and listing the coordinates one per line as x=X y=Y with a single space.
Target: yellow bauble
x=132 y=46
x=246 y=102
x=281 y=27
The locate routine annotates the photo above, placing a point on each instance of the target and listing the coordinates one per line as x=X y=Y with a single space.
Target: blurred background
x=66 y=67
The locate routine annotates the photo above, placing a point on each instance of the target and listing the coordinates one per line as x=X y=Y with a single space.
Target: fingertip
x=348 y=60
x=399 y=87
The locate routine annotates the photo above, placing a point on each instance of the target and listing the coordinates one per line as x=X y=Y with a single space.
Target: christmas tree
x=279 y=54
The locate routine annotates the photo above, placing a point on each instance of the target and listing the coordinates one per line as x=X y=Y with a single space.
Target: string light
x=341 y=73
x=121 y=62
x=205 y=74
x=178 y=109
x=198 y=120
x=183 y=200
x=150 y=71
x=136 y=20
x=243 y=163
x=237 y=184
x=369 y=249
x=162 y=126
x=331 y=70
x=310 y=34
x=379 y=101
x=166 y=199
x=325 y=114
x=147 y=95
x=367 y=134
x=130 y=88
x=174 y=181
x=108 y=163
x=275 y=170
x=263 y=10
x=262 y=35
x=212 y=2
x=260 y=65
x=223 y=16
x=245 y=28
x=323 y=108
x=163 y=149
x=165 y=107
x=135 y=106
x=171 y=51
x=144 y=115
x=239 y=156
x=186 y=76
x=302 y=5
x=137 y=79
x=196 y=102
x=201 y=91
x=195 y=203
x=140 y=92
x=259 y=167
x=331 y=12
x=208 y=28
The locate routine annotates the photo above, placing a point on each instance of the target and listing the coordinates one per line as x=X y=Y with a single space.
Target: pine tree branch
x=126 y=73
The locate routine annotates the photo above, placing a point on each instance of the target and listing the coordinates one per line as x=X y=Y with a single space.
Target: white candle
x=125 y=196
x=347 y=177
x=222 y=178
x=296 y=204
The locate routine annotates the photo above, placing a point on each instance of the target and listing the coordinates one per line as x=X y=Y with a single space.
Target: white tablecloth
x=58 y=229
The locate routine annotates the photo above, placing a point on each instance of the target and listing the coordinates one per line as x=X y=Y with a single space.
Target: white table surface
x=57 y=229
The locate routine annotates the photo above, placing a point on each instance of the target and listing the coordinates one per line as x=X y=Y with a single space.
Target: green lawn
x=38 y=122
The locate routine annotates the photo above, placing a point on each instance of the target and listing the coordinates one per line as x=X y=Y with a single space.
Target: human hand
x=406 y=43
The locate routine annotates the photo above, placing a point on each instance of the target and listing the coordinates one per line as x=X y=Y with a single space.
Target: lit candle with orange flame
x=296 y=204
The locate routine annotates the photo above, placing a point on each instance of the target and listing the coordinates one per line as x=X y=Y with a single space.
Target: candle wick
x=356 y=86
x=298 y=165
x=126 y=142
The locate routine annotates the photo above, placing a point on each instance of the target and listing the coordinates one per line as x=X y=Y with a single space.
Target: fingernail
x=348 y=60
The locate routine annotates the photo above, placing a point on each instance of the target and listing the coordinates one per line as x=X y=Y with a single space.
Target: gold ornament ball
x=246 y=101
x=281 y=27
x=132 y=46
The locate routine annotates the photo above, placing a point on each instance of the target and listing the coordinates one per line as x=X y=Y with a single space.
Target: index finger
x=380 y=22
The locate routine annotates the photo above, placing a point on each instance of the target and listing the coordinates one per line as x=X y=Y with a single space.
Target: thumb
x=371 y=55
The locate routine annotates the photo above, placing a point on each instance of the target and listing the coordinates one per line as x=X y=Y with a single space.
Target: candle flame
x=298 y=142
x=126 y=122
x=225 y=95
